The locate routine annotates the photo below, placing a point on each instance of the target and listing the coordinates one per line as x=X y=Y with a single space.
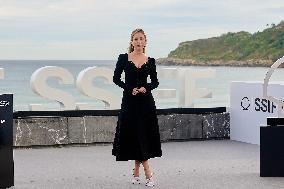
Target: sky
x=100 y=29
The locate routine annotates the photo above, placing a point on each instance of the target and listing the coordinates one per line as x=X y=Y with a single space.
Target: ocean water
x=18 y=74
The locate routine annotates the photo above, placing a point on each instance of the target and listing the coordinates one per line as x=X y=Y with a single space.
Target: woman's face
x=138 y=41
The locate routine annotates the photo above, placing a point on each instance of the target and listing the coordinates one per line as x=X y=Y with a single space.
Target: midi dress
x=137 y=134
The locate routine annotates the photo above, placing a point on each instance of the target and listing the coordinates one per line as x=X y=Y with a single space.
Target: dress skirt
x=137 y=133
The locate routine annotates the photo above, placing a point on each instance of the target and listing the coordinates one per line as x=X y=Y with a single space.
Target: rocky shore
x=191 y=62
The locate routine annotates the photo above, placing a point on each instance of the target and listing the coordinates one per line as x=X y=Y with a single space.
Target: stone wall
x=56 y=130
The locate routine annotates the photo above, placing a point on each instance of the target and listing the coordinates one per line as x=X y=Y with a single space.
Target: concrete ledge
x=40 y=131
x=55 y=130
x=91 y=129
x=216 y=125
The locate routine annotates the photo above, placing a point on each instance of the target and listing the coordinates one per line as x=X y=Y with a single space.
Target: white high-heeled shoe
x=135 y=180
x=150 y=182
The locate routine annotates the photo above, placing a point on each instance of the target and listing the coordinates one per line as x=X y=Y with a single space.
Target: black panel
x=6 y=141
x=272 y=121
x=272 y=151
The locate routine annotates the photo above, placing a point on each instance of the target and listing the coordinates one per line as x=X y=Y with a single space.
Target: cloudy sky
x=100 y=29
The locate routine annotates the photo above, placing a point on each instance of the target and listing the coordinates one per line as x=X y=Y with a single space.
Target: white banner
x=249 y=110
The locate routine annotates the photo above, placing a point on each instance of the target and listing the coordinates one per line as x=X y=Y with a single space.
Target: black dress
x=137 y=133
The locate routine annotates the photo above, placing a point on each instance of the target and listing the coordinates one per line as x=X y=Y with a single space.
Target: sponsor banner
x=249 y=110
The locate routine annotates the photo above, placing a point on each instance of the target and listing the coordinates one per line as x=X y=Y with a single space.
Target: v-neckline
x=135 y=64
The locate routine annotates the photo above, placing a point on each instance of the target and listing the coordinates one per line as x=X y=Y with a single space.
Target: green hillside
x=267 y=45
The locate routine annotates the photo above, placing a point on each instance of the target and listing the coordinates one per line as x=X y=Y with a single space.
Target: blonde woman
x=137 y=133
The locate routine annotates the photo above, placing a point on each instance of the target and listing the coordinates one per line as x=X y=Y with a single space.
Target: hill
x=232 y=49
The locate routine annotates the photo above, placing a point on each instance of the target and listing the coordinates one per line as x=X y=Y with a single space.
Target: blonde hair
x=139 y=30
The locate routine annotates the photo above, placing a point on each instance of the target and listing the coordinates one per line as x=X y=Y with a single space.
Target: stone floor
x=184 y=165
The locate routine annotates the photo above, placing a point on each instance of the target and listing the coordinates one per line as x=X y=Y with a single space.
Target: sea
x=17 y=77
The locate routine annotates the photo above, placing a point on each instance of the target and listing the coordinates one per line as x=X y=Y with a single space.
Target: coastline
x=230 y=63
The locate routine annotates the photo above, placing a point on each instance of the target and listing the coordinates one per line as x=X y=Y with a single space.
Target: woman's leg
x=146 y=169
x=136 y=168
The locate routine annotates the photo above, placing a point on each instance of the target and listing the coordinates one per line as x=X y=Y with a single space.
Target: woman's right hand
x=135 y=91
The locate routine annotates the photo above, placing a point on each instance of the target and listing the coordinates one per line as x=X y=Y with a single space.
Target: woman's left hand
x=142 y=90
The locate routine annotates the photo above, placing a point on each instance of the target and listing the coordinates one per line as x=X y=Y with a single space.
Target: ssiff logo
x=245 y=103
x=259 y=104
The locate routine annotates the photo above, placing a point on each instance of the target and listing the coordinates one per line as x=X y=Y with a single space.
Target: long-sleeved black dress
x=137 y=133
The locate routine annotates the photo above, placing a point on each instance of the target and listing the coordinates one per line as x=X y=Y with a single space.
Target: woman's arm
x=153 y=76
x=118 y=71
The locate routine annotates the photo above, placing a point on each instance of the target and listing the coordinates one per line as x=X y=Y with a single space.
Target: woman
x=137 y=133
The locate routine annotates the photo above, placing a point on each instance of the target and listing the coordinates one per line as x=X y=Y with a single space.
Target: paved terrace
x=213 y=164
